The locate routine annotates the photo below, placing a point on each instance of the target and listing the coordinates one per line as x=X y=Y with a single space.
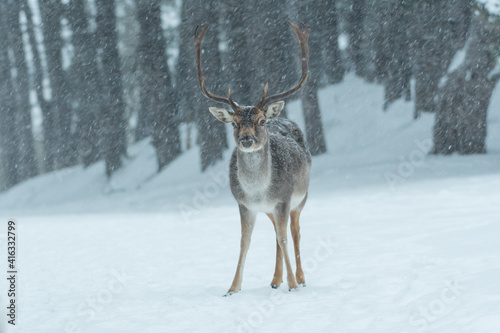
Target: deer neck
x=254 y=169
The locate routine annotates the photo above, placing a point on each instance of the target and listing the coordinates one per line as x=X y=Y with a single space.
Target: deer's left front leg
x=247 y=224
x=278 y=271
x=281 y=215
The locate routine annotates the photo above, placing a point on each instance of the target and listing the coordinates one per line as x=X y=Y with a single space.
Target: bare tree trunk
x=212 y=136
x=87 y=85
x=355 y=29
x=311 y=15
x=375 y=40
x=274 y=48
x=334 y=67
x=27 y=164
x=240 y=57
x=37 y=85
x=314 y=126
x=398 y=71
x=464 y=99
x=440 y=29
x=158 y=95
x=9 y=154
x=186 y=83
x=59 y=116
x=113 y=112
x=212 y=133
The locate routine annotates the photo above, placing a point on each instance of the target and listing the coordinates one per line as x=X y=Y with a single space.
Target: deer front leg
x=278 y=270
x=281 y=215
x=247 y=224
x=294 y=225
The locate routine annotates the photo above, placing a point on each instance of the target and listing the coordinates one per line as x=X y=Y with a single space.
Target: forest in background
x=84 y=79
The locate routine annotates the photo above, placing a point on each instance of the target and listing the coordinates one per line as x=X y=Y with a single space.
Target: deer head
x=249 y=122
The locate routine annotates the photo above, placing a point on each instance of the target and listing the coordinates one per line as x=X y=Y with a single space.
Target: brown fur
x=270 y=180
x=269 y=169
x=278 y=270
x=247 y=224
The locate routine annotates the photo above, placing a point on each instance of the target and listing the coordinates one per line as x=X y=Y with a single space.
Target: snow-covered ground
x=493 y=6
x=393 y=239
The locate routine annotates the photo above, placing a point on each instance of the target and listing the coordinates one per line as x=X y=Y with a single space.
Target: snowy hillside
x=366 y=146
x=393 y=240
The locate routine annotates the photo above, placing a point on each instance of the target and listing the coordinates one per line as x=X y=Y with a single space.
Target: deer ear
x=222 y=114
x=274 y=109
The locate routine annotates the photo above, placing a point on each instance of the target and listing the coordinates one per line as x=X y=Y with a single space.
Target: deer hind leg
x=278 y=271
x=281 y=214
x=294 y=225
x=247 y=224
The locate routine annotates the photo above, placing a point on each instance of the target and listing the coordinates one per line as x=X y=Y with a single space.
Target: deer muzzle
x=246 y=140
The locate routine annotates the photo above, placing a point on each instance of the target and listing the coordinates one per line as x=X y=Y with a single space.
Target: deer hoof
x=229 y=293
x=293 y=289
x=276 y=282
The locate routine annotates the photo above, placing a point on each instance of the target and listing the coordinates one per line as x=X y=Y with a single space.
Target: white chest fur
x=254 y=175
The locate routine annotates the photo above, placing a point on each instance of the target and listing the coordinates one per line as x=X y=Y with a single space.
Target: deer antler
x=198 y=40
x=302 y=35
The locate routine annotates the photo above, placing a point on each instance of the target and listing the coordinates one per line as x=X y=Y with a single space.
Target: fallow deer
x=269 y=168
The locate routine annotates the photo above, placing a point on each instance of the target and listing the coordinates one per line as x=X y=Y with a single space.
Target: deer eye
x=234 y=124
x=262 y=122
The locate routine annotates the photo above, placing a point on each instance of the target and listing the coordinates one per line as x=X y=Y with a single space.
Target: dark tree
x=9 y=153
x=355 y=29
x=240 y=56
x=212 y=136
x=113 y=122
x=24 y=142
x=311 y=15
x=58 y=117
x=373 y=43
x=37 y=86
x=464 y=99
x=439 y=28
x=188 y=92
x=398 y=68
x=329 y=31
x=158 y=100
x=275 y=48
x=86 y=84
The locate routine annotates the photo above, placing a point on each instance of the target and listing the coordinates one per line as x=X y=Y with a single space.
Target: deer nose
x=246 y=140
x=247 y=143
